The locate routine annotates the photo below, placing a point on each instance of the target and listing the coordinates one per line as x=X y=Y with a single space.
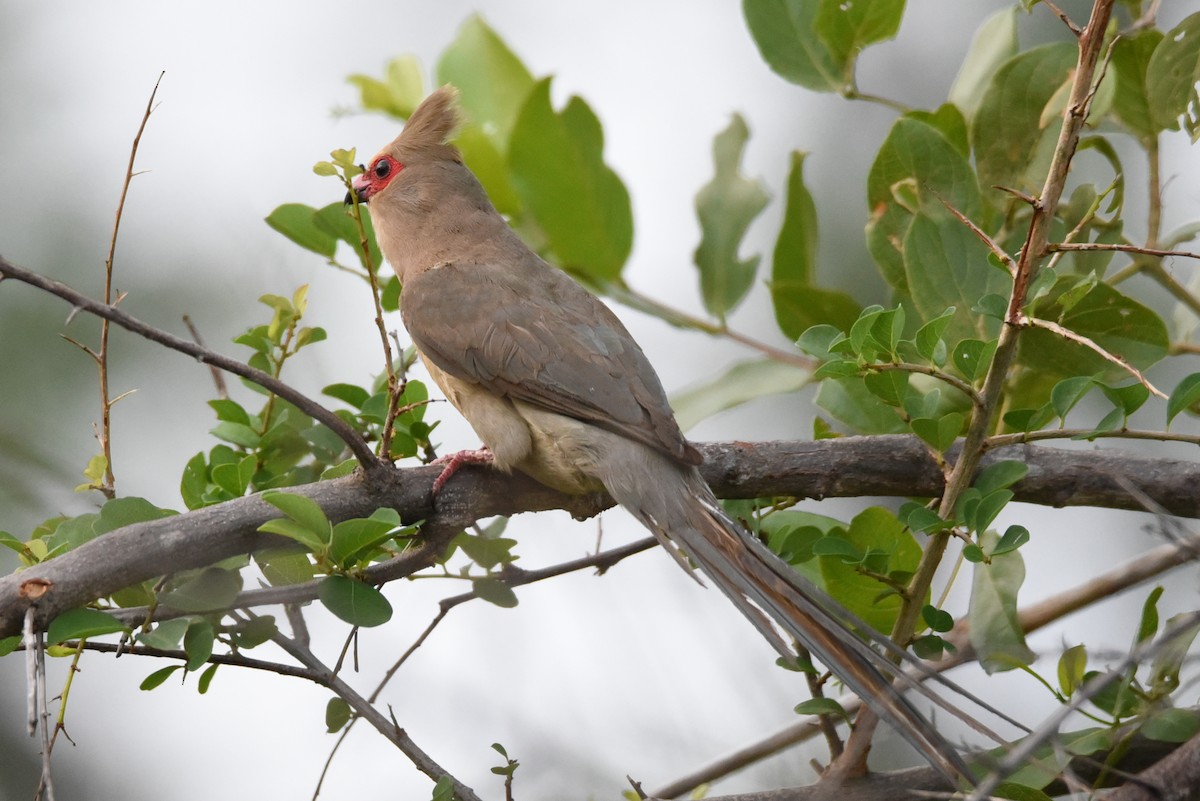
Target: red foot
x=456 y=460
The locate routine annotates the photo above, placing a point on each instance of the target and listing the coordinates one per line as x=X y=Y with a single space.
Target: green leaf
x=494 y=591
x=444 y=789
x=337 y=715
x=973 y=357
x=798 y=304
x=351 y=538
x=821 y=706
x=1009 y=126
x=1014 y=537
x=206 y=678
x=874 y=531
x=1172 y=726
x=580 y=205
x=77 y=624
x=1000 y=475
x=1019 y=792
x=166 y=635
x=739 y=384
x=785 y=32
x=1185 y=395
x=351 y=394
x=1072 y=666
x=158 y=677
x=213 y=589
x=941 y=432
x=296 y=221
x=1128 y=399
x=235 y=477
x=794 y=258
x=237 y=433
x=1171 y=76
x=303 y=510
x=492 y=82
x=1164 y=669
x=230 y=411
x=937 y=619
x=994 y=43
x=198 y=643
x=946 y=266
x=931 y=647
x=400 y=91
x=194 y=482
x=353 y=601
x=890 y=386
x=283 y=567
x=846 y=28
x=336 y=220
x=994 y=629
x=929 y=337
x=726 y=206
x=487 y=552
x=919 y=157
x=1068 y=392
x=848 y=400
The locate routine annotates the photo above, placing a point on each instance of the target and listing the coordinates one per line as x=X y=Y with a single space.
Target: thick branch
x=848 y=467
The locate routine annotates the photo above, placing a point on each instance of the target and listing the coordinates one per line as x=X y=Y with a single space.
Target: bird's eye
x=382 y=168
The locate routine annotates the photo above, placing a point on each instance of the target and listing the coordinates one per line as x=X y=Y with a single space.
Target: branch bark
x=848 y=467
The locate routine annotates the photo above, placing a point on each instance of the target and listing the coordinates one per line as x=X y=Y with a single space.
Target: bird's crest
x=431 y=125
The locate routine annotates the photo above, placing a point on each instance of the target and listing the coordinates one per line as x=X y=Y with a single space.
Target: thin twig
x=1116 y=246
x=602 y=561
x=310 y=407
x=1063 y=16
x=1092 y=345
x=217 y=376
x=364 y=709
x=991 y=243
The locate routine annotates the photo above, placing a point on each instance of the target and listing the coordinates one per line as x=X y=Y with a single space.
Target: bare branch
x=1092 y=345
x=201 y=354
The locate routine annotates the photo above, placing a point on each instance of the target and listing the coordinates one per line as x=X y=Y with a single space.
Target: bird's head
x=422 y=140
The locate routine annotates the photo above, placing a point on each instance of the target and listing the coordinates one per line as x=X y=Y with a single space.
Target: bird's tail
x=687 y=517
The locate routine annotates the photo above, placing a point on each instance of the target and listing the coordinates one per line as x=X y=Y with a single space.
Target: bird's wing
x=530 y=333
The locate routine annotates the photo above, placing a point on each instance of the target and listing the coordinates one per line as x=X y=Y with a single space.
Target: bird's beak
x=359 y=185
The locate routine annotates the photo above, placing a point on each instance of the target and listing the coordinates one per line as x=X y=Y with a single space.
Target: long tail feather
x=775 y=597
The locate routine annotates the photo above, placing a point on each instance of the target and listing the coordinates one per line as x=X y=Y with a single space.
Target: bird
x=556 y=388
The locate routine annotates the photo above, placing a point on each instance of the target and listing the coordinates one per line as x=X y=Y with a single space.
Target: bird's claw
x=454 y=461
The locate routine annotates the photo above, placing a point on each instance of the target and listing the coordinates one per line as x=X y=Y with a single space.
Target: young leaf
x=165 y=635
x=726 y=206
x=1072 y=666
x=353 y=601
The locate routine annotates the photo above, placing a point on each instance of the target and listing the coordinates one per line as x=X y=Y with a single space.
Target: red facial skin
x=381 y=173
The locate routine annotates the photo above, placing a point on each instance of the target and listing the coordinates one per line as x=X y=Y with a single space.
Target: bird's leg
x=454 y=461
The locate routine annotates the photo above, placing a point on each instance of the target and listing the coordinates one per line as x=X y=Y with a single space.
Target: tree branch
x=847 y=467
x=113 y=314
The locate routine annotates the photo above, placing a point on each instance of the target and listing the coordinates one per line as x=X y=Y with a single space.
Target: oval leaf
x=354 y=602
